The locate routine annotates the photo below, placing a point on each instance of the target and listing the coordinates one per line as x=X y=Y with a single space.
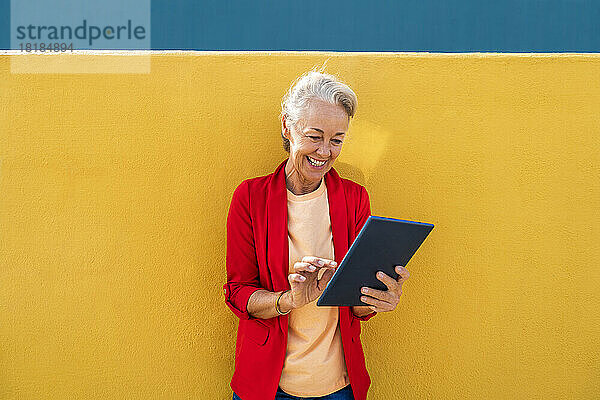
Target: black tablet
x=381 y=244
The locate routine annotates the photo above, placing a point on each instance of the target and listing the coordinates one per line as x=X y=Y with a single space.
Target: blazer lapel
x=337 y=214
x=277 y=237
x=339 y=230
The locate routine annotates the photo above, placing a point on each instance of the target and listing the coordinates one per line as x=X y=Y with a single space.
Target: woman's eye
x=315 y=137
x=337 y=141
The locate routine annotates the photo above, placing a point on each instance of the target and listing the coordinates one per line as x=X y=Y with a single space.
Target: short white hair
x=315 y=85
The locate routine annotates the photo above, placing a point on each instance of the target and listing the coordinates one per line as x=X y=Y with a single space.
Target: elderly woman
x=286 y=234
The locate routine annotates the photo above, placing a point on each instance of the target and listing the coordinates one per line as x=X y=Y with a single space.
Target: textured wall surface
x=114 y=190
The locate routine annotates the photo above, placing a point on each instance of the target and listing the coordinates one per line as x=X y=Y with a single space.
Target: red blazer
x=257 y=258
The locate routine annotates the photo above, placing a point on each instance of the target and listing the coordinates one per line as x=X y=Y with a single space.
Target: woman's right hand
x=304 y=282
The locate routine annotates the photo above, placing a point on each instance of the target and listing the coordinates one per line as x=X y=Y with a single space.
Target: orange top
x=314 y=361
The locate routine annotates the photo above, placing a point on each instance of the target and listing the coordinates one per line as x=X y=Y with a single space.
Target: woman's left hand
x=385 y=300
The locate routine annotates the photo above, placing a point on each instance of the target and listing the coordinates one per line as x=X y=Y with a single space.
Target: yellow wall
x=114 y=190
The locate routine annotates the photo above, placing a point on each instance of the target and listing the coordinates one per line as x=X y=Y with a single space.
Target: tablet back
x=381 y=244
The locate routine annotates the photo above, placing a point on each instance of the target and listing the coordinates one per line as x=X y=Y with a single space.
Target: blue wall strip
x=407 y=25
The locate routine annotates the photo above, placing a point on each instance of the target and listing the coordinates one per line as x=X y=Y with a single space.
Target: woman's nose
x=324 y=151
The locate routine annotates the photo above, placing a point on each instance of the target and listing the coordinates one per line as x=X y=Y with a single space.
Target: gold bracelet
x=277 y=305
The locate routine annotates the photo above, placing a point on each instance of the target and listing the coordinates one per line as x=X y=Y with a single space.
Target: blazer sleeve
x=363 y=213
x=241 y=262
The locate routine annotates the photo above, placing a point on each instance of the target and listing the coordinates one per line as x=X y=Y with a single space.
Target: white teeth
x=314 y=162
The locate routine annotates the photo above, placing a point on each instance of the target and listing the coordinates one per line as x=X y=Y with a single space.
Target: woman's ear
x=285 y=130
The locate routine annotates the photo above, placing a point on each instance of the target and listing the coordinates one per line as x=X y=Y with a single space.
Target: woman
x=286 y=233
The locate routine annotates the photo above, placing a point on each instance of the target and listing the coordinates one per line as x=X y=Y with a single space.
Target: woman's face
x=316 y=141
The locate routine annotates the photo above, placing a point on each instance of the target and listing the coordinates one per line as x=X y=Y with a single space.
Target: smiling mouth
x=315 y=163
